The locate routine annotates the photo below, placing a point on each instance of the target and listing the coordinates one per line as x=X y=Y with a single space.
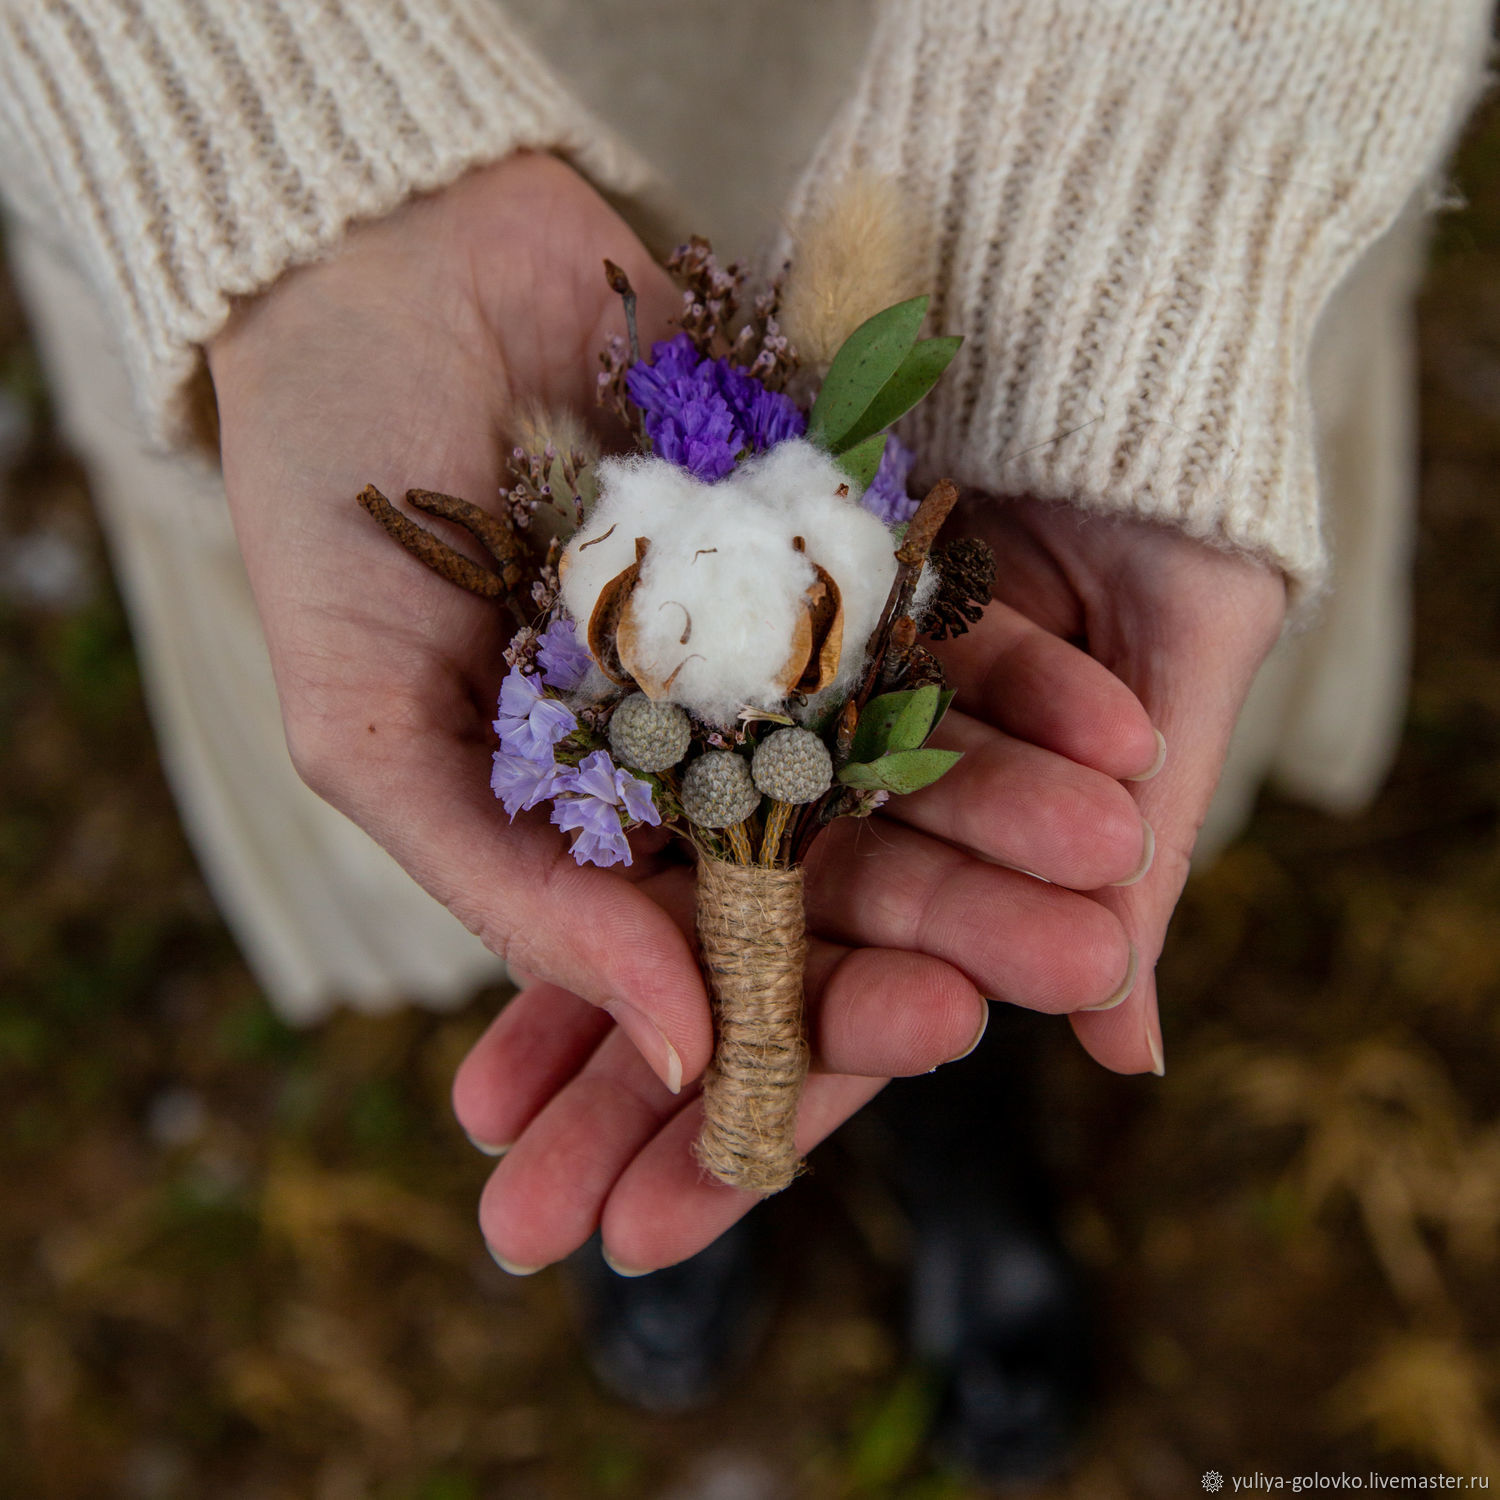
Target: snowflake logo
x=1213 y=1481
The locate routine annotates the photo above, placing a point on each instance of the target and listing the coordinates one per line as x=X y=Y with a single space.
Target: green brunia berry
x=792 y=765
x=648 y=736
x=717 y=791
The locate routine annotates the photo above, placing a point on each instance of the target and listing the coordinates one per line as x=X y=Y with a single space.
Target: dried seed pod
x=818 y=639
x=604 y=622
x=825 y=608
x=792 y=766
x=966 y=583
x=717 y=790
x=648 y=736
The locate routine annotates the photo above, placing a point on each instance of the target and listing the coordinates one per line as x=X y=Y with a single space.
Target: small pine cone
x=717 y=791
x=648 y=736
x=792 y=765
x=922 y=667
x=966 y=583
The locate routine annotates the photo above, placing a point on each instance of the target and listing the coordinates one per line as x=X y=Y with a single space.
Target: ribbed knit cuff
x=193 y=150
x=1137 y=213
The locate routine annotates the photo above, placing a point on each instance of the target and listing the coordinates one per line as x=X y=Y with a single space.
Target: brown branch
x=498 y=539
x=437 y=554
x=619 y=284
x=922 y=531
x=903 y=637
x=843 y=744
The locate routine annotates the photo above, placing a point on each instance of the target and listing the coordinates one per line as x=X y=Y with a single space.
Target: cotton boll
x=637 y=497
x=735 y=588
x=921 y=596
x=853 y=545
x=722 y=569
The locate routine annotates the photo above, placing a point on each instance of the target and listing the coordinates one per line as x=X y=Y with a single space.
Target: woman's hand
x=1053 y=738
x=401 y=361
x=1181 y=625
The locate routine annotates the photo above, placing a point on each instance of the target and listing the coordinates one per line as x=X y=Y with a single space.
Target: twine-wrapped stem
x=752 y=931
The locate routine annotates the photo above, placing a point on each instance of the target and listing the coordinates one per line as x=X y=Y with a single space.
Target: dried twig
x=489 y=531
x=438 y=555
x=619 y=284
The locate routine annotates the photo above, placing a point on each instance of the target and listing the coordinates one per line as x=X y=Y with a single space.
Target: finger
x=665 y=1208
x=1009 y=672
x=1010 y=801
x=544 y=1199
x=515 y=885
x=541 y=1038
x=877 y=1013
x=887 y=1013
x=1193 y=674
x=1128 y=1039
x=869 y=1012
x=874 y=882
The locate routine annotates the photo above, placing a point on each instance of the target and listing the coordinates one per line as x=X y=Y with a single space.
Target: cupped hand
x=1091 y=769
x=1185 y=627
x=403 y=361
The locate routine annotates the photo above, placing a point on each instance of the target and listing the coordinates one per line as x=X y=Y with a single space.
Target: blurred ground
x=241 y=1262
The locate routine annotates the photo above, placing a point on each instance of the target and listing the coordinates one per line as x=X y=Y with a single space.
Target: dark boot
x=997 y=1309
x=671 y=1340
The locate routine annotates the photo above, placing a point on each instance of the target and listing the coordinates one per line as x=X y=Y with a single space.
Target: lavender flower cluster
x=704 y=414
x=886 y=496
x=594 y=800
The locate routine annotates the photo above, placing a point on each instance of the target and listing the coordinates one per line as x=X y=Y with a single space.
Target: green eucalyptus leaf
x=895 y=721
x=901 y=772
x=916 y=720
x=945 y=698
x=914 y=377
x=865 y=362
x=861 y=461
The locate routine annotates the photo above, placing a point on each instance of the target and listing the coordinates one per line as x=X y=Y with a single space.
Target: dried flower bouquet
x=718 y=634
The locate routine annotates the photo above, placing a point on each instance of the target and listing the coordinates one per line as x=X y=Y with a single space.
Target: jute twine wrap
x=753 y=934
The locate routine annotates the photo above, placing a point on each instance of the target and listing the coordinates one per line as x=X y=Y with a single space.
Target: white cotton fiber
x=722 y=568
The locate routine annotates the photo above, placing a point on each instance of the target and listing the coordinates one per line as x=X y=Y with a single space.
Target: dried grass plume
x=854 y=255
x=537 y=427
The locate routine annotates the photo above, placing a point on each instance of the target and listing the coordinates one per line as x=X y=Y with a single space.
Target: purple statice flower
x=703 y=414
x=671 y=360
x=886 y=497
x=700 y=435
x=772 y=418
x=563 y=658
x=589 y=803
x=530 y=724
x=521 y=782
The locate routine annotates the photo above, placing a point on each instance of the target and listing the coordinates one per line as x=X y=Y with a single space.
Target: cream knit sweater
x=1136 y=208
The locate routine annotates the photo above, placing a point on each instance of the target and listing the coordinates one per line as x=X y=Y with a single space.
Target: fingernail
x=1158 y=763
x=984 y=1025
x=508 y=1266
x=486 y=1147
x=617 y=1268
x=1126 y=985
x=1148 y=853
x=1153 y=1045
x=650 y=1042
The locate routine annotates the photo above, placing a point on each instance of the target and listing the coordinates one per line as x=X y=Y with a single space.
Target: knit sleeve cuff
x=190 y=151
x=1137 y=213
